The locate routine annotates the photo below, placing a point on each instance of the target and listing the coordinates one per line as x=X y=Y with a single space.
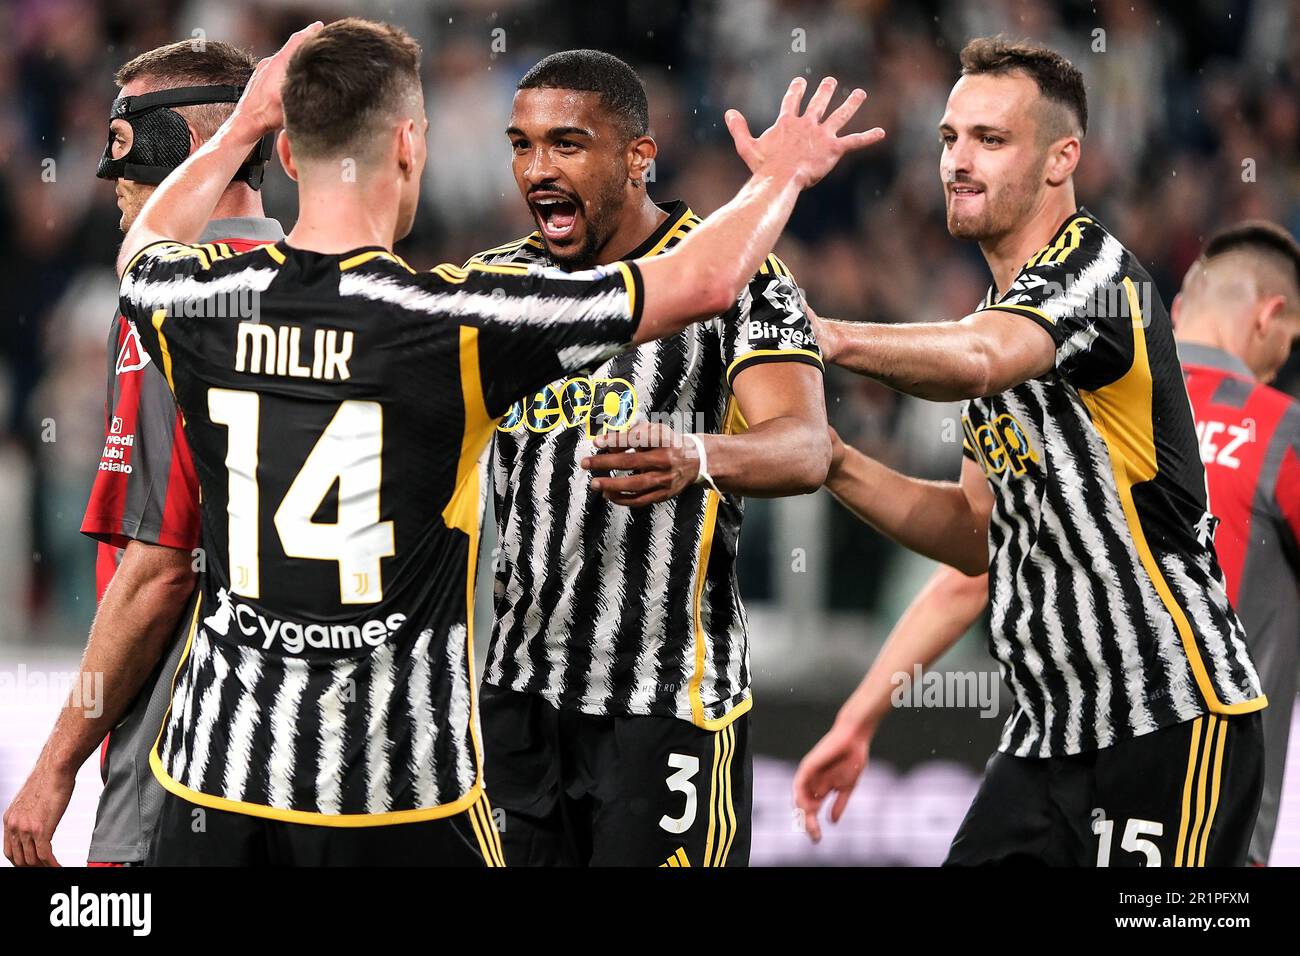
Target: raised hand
x=804 y=143
x=261 y=105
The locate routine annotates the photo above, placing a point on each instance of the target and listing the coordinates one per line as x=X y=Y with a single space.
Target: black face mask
x=161 y=138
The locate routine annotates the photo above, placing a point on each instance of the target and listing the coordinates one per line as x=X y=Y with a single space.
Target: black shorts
x=191 y=835
x=582 y=790
x=1185 y=795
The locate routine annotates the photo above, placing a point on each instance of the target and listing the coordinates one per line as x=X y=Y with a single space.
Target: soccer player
x=143 y=509
x=616 y=691
x=1135 y=738
x=337 y=404
x=1237 y=319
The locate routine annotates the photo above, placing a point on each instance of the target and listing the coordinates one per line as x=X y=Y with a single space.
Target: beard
x=133 y=201
x=606 y=209
x=1001 y=212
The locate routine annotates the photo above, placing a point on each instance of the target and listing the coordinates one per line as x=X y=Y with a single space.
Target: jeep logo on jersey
x=601 y=404
x=132 y=356
x=1000 y=444
x=293 y=636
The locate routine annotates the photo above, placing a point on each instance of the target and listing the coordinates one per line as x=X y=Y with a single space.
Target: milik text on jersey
x=264 y=349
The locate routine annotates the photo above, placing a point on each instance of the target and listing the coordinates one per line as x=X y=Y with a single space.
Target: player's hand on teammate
x=834 y=765
x=827 y=338
x=838 y=448
x=261 y=106
x=803 y=143
x=33 y=815
x=661 y=463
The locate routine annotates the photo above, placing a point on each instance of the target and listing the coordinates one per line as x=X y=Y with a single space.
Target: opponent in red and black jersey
x=1249 y=437
x=145 y=490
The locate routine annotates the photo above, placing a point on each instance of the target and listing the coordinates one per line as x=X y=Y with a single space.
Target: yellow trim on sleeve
x=764 y=353
x=626 y=272
x=996 y=306
x=274 y=253
x=157 y=242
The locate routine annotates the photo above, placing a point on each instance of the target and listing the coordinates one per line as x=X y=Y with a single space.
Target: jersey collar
x=678 y=212
x=1194 y=353
x=255 y=228
x=994 y=293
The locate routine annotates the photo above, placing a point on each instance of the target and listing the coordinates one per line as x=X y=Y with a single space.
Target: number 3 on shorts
x=685 y=767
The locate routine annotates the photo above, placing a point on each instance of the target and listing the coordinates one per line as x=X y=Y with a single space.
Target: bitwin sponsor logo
x=294 y=637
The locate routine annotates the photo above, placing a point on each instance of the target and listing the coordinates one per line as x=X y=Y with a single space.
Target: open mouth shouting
x=556 y=213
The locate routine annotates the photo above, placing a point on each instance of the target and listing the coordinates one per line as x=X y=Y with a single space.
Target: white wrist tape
x=703 y=478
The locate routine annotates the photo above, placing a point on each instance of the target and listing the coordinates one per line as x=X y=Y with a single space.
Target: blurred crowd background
x=1195 y=123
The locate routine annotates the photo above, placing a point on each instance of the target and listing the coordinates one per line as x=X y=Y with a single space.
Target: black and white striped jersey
x=1110 y=615
x=337 y=407
x=618 y=611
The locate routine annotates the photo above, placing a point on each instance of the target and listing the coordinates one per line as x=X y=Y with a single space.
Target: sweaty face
x=569 y=165
x=993 y=160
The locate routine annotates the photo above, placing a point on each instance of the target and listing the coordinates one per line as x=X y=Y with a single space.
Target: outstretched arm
x=936 y=619
x=705 y=272
x=944 y=520
x=982 y=354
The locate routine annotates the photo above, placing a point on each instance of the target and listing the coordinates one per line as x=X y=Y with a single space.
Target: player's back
x=1247 y=433
x=336 y=409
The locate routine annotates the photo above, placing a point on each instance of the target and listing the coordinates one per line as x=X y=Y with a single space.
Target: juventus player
x=323 y=711
x=616 y=692
x=144 y=508
x=1136 y=737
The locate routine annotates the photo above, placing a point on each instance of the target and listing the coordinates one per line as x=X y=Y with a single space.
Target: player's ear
x=1175 y=309
x=1270 y=309
x=1062 y=160
x=195 y=140
x=641 y=153
x=406 y=150
x=285 y=152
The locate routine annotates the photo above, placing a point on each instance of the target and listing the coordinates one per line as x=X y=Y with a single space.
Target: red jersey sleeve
x=145 y=488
